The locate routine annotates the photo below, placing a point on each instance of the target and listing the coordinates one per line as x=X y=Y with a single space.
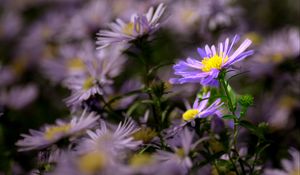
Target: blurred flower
x=99 y=69
x=277 y=48
x=7 y=75
x=114 y=142
x=203 y=15
x=202 y=109
x=94 y=162
x=185 y=15
x=221 y=13
x=281 y=111
x=145 y=134
x=86 y=20
x=51 y=134
x=139 y=25
x=207 y=70
x=11 y=24
x=180 y=154
x=34 y=45
x=24 y=94
x=290 y=167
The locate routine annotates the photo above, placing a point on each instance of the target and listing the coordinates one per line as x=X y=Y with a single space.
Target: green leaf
x=232 y=95
x=229 y=116
x=252 y=128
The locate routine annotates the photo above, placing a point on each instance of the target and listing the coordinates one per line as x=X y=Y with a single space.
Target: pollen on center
x=214 y=62
x=92 y=162
x=53 y=131
x=190 y=114
x=128 y=28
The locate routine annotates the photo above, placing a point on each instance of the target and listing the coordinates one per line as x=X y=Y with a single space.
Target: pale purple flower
x=98 y=71
x=201 y=109
x=117 y=142
x=87 y=163
x=279 y=47
x=24 y=95
x=290 y=166
x=180 y=154
x=139 y=25
x=206 y=70
x=50 y=134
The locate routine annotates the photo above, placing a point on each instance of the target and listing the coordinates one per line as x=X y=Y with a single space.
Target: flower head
x=139 y=25
x=53 y=133
x=206 y=71
x=202 y=109
x=290 y=167
x=115 y=142
x=180 y=154
x=96 y=77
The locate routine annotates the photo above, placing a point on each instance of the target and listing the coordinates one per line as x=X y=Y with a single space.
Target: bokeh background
x=40 y=39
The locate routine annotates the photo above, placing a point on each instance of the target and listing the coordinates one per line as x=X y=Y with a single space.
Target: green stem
x=224 y=85
x=234 y=166
x=235 y=127
x=155 y=109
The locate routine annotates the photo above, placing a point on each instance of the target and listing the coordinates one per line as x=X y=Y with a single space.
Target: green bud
x=246 y=100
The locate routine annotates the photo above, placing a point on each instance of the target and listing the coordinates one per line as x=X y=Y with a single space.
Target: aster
x=115 y=141
x=201 y=109
x=139 y=25
x=25 y=94
x=206 y=71
x=290 y=167
x=99 y=70
x=185 y=15
x=86 y=163
x=282 y=44
x=51 y=134
x=180 y=153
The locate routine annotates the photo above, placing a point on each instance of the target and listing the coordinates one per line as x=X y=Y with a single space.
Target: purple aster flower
x=50 y=134
x=202 y=109
x=206 y=71
x=139 y=25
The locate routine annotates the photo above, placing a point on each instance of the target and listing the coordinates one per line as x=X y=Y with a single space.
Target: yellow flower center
x=277 y=58
x=214 y=62
x=128 y=28
x=140 y=160
x=180 y=152
x=88 y=83
x=295 y=172
x=75 y=64
x=190 y=114
x=19 y=66
x=145 y=134
x=53 y=131
x=187 y=15
x=91 y=162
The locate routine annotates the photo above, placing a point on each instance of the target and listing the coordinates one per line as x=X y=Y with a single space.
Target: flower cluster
x=95 y=88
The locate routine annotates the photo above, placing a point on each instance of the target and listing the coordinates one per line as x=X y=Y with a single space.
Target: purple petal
x=202 y=53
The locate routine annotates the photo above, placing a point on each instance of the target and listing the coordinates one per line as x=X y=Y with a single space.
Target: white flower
x=50 y=134
x=290 y=167
x=139 y=25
